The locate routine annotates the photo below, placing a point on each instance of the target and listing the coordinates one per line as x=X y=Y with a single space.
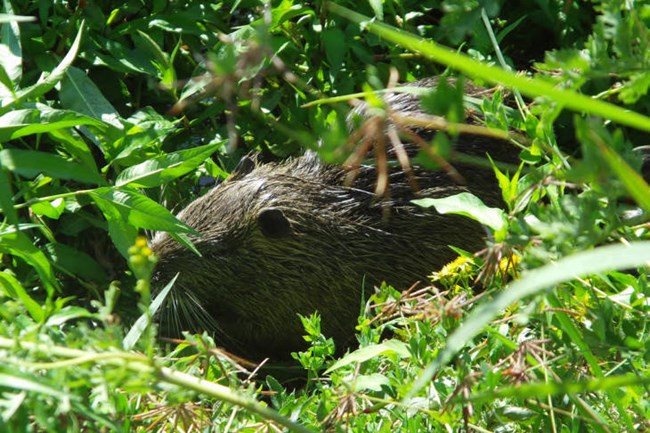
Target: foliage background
x=114 y=112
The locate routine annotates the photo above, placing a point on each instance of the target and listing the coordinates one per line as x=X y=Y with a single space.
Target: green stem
x=32 y=201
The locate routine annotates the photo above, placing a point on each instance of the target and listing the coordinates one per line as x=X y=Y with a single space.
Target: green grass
x=114 y=113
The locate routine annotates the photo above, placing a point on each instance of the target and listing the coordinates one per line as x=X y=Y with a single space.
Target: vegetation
x=112 y=113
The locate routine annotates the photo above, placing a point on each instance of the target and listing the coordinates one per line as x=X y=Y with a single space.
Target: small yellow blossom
x=462 y=267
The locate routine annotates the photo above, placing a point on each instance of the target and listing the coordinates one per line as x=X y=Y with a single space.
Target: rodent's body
x=286 y=238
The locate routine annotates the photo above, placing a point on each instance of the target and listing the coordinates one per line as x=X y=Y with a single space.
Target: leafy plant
x=112 y=114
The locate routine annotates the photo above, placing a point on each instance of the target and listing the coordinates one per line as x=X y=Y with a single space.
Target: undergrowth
x=114 y=113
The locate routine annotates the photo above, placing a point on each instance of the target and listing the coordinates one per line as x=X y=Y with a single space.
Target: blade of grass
x=535 y=390
x=634 y=183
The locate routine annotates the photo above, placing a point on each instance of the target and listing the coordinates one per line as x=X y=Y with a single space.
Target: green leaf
x=468 y=205
x=184 y=240
x=18 y=244
x=516 y=413
x=121 y=232
x=6 y=198
x=76 y=262
x=51 y=209
x=31 y=163
x=78 y=93
x=602 y=259
x=129 y=60
x=636 y=88
x=162 y=169
x=11 y=53
x=139 y=210
x=377 y=8
x=14 y=289
x=335 y=47
x=140 y=325
x=370 y=382
x=46 y=84
x=508 y=186
x=19 y=123
x=75 y=146
x=68 y=313
x=143 y=40
x=365 y=353
x=146 y=134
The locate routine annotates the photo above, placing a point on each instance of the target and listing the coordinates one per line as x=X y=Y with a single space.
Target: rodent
x=284 y=238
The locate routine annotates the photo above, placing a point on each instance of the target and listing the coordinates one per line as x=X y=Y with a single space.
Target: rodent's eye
x=273 y=223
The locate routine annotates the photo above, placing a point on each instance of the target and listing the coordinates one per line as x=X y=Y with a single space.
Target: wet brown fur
x=285 y=238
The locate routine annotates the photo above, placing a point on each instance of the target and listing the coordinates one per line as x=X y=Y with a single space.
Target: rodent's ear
x=273 y=223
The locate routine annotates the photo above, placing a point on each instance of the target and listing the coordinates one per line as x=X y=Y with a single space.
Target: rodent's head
x=270 y=249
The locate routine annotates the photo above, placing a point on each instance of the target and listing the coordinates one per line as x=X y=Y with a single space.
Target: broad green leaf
x=31 y=163
x=146 y=130
x=68 y=313
x=18 y=244
x=46 y=84
x=19 y=123
x=6 y=86
x=468 y=205
x=140 y=325
x=116 y=62
x=78 y=93
x=365 y=353
x=76 y=262
x=75 y=146
x=14 y=289
x=11 y=52
x=516 y=413
x=127 y=60
x=373 y=382
x=145 y=41
x=121 y=232
x=285 y=11
x=6 y=198
x=601 y=259
x=507 y=185
x=139 y=210
x=51 y=209
x=195 y=85
x=334 y=43
x=162 y=169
